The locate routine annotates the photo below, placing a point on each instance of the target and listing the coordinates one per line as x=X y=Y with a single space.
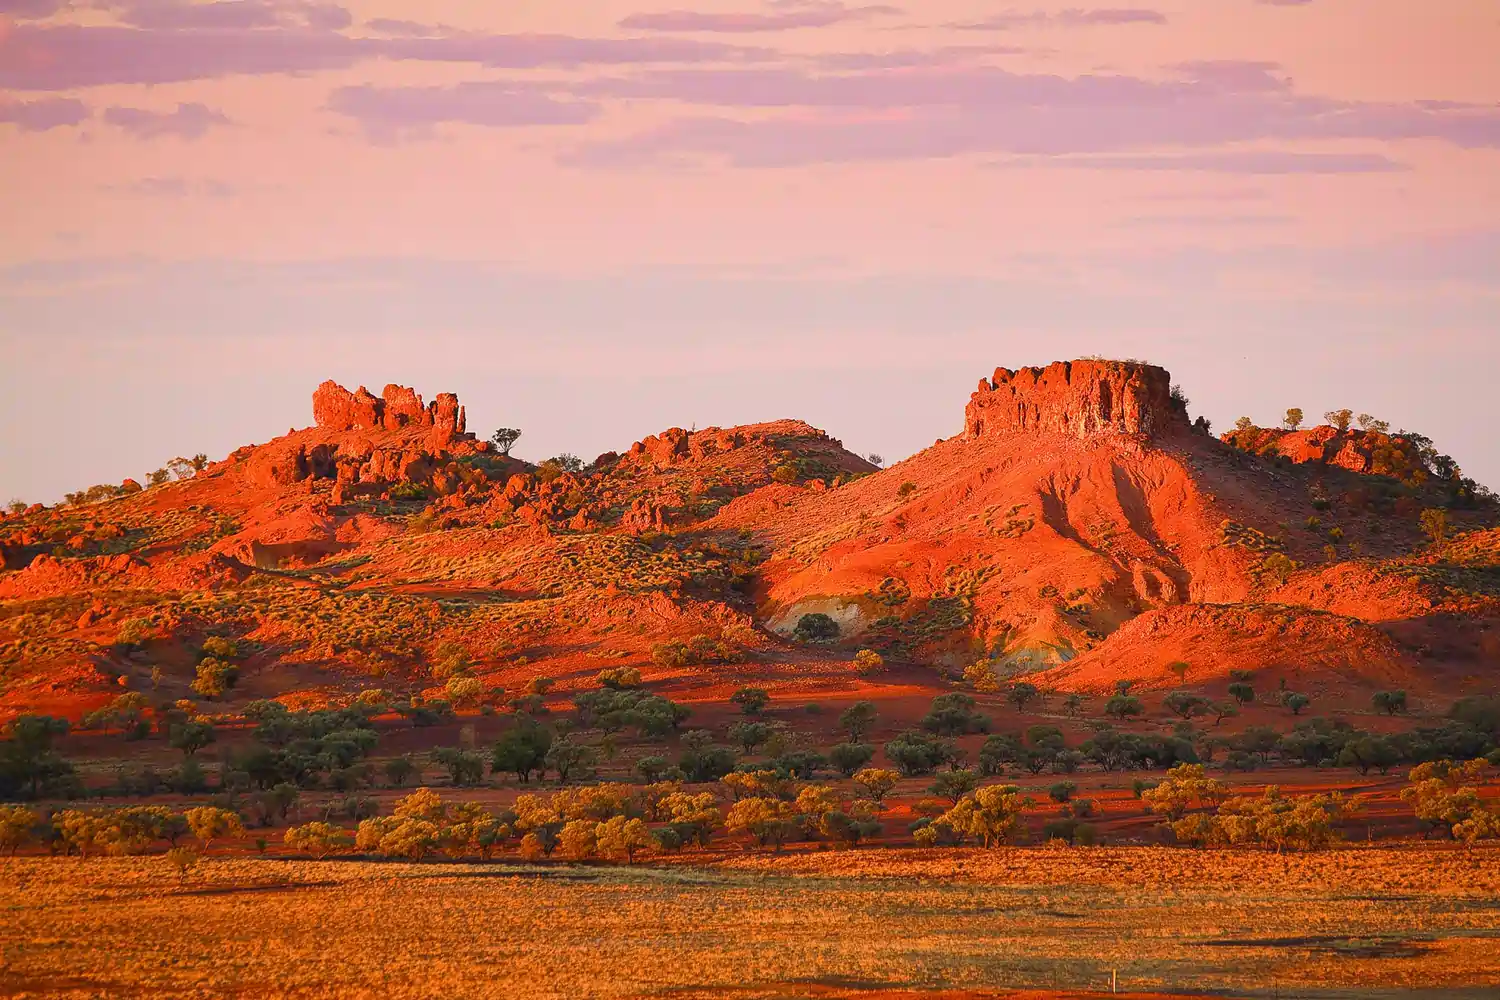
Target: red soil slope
x=1080 y=528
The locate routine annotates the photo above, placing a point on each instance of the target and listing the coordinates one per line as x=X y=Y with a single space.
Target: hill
x=1080 y=530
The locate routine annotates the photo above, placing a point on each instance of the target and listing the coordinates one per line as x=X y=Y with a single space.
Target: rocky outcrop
x=676 y=446
x=1076 y=398
x=1365 y=452
x=337 y=409
x=361 y=438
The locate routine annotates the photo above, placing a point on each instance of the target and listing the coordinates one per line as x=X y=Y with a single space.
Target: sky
x=597 y=219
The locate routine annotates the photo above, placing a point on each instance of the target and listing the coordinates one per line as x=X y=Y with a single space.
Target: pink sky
x=597 y=219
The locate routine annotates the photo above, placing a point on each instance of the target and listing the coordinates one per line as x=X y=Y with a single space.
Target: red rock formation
x=1076 y=398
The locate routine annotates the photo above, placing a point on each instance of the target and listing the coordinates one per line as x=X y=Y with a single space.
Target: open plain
x=1370 y=922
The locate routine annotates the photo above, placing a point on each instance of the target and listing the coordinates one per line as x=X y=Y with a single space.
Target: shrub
x=318 y=839
x=954 y=715
x=749 y=735
x=916 y=753
x=816 y=627
x=184 y=859
x=214 y=678
x=1121 y=706
x=1242 y=693
x=1389 y=702
x=1062 y=791
x=877 y=783
x=752 y=701
x=1021 y=694
x=210 y=823
x=858 y=719
x=848 y=758
x=954 y=785
x=619 y=678
x=867 y=662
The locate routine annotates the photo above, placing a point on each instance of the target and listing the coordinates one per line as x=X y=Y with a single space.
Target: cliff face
x=1075 y=398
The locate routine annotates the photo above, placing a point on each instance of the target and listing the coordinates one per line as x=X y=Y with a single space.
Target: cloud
x=173 y=187
x=790 y=17
x=1073 y=17
x=232 y=14
x=43 y=115
x=189 y=121
x=29 y=10
x=923 y=114
x=388 y=113
x=1268 y=161
x=67 y=56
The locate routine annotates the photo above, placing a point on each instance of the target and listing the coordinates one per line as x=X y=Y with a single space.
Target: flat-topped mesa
x=337 y=409
x=1076 y=398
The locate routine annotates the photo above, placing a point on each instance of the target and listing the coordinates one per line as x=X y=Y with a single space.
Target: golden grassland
x=1344 y=923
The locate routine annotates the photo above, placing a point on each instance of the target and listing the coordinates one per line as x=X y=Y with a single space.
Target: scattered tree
x=505 y=439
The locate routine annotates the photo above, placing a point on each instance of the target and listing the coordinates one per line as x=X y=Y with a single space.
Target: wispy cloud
x=922 y=114
x=1073 y=17
x=188 y=121
x=174 y=187
x=786 y=17
x=68 y=56
x=390 y=113
x=43 y=115
x=1259 y=161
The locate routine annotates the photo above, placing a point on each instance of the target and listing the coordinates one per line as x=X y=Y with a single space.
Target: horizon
x=596 y=223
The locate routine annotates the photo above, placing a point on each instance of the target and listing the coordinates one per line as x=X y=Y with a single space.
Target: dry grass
x=1330 y=925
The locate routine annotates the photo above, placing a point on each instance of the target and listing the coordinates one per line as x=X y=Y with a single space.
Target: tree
x=464 y=767
x=1372 y=425
x=916 y=753
x=190 y=737
x=318 y=839
x=749 y=735
x=1021 y=694
x=620 y=836
x=1389 y=702
x=16 y=825
x=522 y=749
x=1435 y=523
x=27 y=760
x=1121 y=706
x=954 y=785
x=1185 y=786
x=875 y=459
x=214 y=677
x=767 y=820
x=619 y=678
x=877 y=783
x=953 y=715
x=1223 y=710
x=1339 y=419
x=816 y=627
x=1293 y=419
x=1296 y=702
x=1179 y=669
x=988 y=814
x=850 y=757
x=1242 y=692
x=752 y=701
x=867 y=662
x=399 y=770
x=210 y=823
x=505 y=439
x=858 y=719
x=1185 y=704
